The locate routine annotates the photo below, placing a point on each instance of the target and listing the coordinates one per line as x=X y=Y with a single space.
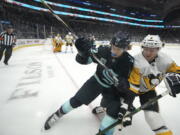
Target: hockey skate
x=98 y=110
x=53 y=119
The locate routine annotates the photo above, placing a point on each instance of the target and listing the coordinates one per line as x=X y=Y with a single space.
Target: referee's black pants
x=8 y=52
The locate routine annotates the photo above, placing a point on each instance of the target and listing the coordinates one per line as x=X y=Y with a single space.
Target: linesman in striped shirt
x=7 y=42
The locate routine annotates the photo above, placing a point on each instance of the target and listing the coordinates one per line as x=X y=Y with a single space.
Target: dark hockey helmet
x=120 y=40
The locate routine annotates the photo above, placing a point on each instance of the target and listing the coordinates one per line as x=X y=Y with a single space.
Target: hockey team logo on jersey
x=108 y=76
x=103 y=60
x=152 y=80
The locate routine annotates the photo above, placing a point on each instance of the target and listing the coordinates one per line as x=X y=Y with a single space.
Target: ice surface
x=37 y=82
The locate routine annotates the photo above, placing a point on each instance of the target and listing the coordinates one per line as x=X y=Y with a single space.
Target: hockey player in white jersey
x=151 y=67
x=69 y=41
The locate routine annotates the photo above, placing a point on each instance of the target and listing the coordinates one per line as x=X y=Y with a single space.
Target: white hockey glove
x=172 y=81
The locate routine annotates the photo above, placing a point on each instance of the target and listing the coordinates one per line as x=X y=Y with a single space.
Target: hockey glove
x=83 y=46
x=123 y=109
x=127 y=121
x=122 y=112
x=172 y=81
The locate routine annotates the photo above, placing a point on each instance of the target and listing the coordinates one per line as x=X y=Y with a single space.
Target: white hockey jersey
x=69 y=38
x=146 y=76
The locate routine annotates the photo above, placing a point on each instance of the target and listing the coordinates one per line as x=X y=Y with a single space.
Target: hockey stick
x=71 y=30
x=147 y=104
x=59 y=19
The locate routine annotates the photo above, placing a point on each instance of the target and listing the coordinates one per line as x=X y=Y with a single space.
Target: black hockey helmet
x=120 y=40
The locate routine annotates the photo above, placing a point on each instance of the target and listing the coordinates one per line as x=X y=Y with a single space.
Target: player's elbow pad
x=83 y=60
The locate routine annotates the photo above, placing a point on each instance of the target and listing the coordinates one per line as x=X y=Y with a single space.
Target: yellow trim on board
x=23 y=46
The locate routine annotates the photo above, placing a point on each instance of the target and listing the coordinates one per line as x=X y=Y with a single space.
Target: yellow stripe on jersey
x=134 y=80
x=173 y=68
x=147 y=82
x=135 y=76
x=134 y=89
x=165 y=133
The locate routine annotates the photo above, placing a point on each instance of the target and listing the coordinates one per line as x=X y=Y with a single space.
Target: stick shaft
x=135 y=111
x=59 y=19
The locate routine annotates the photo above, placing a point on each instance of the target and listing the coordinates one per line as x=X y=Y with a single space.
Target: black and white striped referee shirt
x=7 y=39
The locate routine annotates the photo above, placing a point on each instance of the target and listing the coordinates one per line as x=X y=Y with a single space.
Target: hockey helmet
x=152 y=41
x=120 y=40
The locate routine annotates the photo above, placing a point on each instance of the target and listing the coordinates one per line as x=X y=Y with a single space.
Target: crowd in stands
x=38 y=24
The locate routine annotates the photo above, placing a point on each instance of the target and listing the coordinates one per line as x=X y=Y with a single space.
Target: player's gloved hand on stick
x=172 y=81
x=123 y=109
x=127 y=121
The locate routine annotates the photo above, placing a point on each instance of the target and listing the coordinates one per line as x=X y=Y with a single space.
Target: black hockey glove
x=172 y=81
x=83 y=46
x=123 y=109
x=83 y=60
x=127 y=121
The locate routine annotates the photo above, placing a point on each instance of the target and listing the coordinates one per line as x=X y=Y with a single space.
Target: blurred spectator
x=39 y=24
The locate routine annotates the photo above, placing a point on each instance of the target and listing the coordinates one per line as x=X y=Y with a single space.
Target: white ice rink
x=37 y=82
